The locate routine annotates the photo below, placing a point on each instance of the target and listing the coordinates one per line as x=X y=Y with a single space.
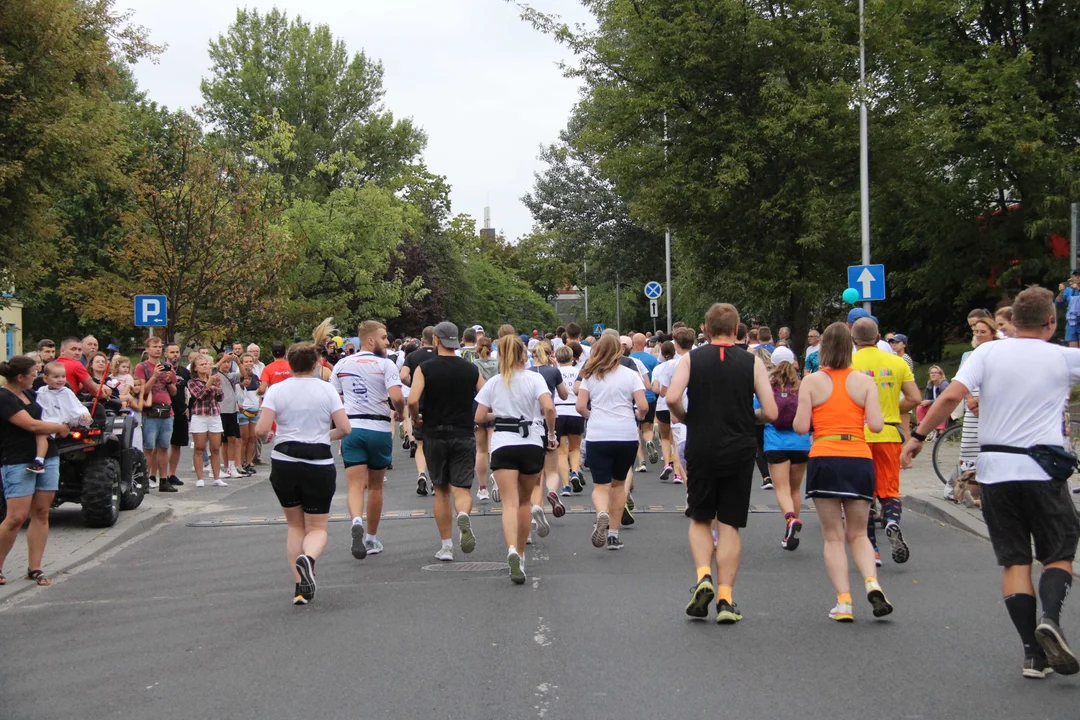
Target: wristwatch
x=918 y=436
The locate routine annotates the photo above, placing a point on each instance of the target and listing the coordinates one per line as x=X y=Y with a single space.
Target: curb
x=946 y=513
x=153 y=518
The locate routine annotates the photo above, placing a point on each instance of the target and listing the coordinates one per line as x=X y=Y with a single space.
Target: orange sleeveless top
x=839 y=415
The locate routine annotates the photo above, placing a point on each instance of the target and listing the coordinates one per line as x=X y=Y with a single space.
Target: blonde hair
x=542 y=352
x=606 y=356
x=784 y=376
x=483 y=347
x=512 y=357
x=114 y=366
x=564 y=355
x=766 y=357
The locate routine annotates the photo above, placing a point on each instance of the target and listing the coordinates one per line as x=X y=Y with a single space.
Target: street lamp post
x=864 y=158
x=667 y=243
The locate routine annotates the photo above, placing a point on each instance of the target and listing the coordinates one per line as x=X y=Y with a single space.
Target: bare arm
x=397 y=400
x=483 y=414
x=764 y=392
x=414 y=397
x=875 y=419
x=805 y=414
x=911 y=397
x=640 y=406
x=547 y=406
x=582 y=405
x=677 y=387
x=561 y=389
x=23 y=420
x=406 y=376
x=267 y=417
x=341 y=425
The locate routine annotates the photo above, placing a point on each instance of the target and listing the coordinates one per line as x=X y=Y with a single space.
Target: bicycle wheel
x=947 y=452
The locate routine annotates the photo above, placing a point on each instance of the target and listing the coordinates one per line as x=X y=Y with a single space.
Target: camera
x=166 y=367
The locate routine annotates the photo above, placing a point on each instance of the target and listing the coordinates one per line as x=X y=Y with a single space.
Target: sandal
x=39 y=577
x=3 y=580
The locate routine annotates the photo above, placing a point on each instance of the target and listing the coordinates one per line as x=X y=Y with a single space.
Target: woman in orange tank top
x=838 y=402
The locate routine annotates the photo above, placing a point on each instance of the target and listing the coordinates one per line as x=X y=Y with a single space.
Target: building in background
x=569 y=305
x=11 y=322
x=487 y=230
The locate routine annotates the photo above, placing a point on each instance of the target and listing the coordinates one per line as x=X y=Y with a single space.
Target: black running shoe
x=175 y=480
x=1036 y=667
x=627 y=518
x=630 y=502
x=1058 y=654
x=727 y=613
x=166 y=487
x=422 y=484
x=766 y=483
x=701 y=597
x=900 y=551
x=575 y=482
x=614 y=543
x=298 y=597
x=359 y=549
x=306 y=567
x=791 y=535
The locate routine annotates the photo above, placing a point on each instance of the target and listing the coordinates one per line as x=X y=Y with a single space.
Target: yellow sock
x=723 y=592
x=870 y=581
x=843 y=598
x=703 y=571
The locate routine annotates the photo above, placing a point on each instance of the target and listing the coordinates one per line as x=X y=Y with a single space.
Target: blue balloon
x=851 y=296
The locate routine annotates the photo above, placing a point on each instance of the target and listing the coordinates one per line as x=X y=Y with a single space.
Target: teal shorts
x=373 y=448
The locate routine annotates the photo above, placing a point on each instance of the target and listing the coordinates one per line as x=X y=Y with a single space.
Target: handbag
x=1055 y=461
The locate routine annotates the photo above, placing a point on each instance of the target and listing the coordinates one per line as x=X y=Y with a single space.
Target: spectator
x=120 y=372
x=230 y=426
x=78 y=379
x=47 y=349
x=160 y=385
x=783 y=336
x=98 y=367
x=813 y=343
x=934 y=388
x=179 y=437
x=1068 y=296
x=899 y=342
x=58 y=405
x=134 y=399
x=247 y=413
x=27 y=494
x=1004 y=319
x=255 y=352
x=206 y=394
x=90 y=346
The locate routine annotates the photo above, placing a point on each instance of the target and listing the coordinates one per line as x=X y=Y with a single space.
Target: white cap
x=478 y=328
x=782 y=354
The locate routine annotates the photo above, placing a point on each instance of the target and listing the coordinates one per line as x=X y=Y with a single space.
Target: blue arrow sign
x=597 y=328
x=151 y=311
x=653 y=290
x=869 y=280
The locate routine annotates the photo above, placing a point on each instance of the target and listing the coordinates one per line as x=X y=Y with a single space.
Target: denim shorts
x=242 y=419
x=156 y=433
x=1072 y=332
x=20 y=482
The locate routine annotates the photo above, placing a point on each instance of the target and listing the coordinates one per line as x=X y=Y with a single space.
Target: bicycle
x=946 y=453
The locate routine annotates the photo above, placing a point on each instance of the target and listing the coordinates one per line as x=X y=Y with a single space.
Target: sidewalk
x=72 y=544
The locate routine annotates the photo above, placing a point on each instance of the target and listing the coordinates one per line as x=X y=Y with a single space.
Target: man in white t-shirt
x=573 y=334
x=1021 y=385
x=370 y=387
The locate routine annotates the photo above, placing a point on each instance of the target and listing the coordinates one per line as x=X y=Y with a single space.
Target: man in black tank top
x=720 y=380
x=446 y=385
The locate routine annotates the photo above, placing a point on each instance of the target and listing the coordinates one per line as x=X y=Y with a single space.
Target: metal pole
x=618 y=304
x=667 y=243
x=864 y=158
x=1074 y=236
x=585 y=278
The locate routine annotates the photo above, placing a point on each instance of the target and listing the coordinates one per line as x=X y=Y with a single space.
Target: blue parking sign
x=151 y=311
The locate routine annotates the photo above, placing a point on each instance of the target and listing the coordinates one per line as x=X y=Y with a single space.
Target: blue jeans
x=20 y=482
x=156 y=433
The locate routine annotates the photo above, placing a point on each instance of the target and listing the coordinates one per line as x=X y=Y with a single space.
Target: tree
x=271 y=64
x=200 y=232
x=59 y=127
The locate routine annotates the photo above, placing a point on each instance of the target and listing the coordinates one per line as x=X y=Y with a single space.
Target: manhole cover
x=468 y=567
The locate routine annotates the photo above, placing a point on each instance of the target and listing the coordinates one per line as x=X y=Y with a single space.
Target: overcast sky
x=484 y=85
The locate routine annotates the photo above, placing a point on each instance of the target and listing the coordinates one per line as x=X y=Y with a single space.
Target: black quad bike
x=100 y=468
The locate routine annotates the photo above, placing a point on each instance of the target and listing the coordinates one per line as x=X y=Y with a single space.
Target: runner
x=720 y=381
x=446 y=385
x=573 y=335
x=1025 y=498
x=612 y=398
x=683 y=344
x=786 y=451
x=569 y=425
x=542 y=358
x=309 y=416
x=897 y=395
x=488 y=367
x=837 y=401
x=647 y=444
x=369 y=385
x=519 y=402
x=413 y=361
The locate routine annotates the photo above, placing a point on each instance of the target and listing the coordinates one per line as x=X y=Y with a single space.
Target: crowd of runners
x=519 y=418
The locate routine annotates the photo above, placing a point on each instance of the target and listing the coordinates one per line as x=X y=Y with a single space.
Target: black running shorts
x=526 y=459
x=300 y=484
x=1018 y=512
x=650 y=414
x=719 y=487
x=569 y=425
x=795 y=457
x=451 y=461
x=611 y=460
x=663 y=417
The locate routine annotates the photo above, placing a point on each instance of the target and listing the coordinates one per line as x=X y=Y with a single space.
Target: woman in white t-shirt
x=569 y=426
x=309 y=416
x=617 y=396
x=519 y=402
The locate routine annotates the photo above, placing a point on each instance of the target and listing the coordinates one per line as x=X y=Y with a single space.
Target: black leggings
x=762 y=466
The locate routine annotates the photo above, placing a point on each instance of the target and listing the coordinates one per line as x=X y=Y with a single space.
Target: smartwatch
x=918 y=436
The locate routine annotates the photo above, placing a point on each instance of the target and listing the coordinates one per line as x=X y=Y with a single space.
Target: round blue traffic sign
x=653 y=290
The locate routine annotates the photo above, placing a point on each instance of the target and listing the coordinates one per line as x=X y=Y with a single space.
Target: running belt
x=366 y=416
x=840 y=437
x=520 y=426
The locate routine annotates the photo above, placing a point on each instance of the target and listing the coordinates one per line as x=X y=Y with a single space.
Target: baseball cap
x=478 y=328
x=782 y=354
x=447 y=334
x=112 y=347
x=625 y=340
x=900 y=337
x=856 y=314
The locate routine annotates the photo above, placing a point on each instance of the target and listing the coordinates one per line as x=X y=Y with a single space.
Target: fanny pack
x=249 y=413
x=304 y=451
x=514 y=425
x=1057 y=462
x=365 y=416
x=158 y=412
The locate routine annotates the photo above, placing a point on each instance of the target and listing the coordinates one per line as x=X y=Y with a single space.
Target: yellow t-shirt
x=890 y=373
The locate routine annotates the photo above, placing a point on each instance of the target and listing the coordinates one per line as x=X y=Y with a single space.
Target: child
x=120 y=371
x=58 y=405
x=133 y=398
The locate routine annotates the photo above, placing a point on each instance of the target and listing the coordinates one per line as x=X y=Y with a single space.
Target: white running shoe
x=495 y=497
x=233 y=473
x=200 y=483
x=482 y=496
x=446 y=554
x=153 y=483
x=540 y=519
x=220 y=483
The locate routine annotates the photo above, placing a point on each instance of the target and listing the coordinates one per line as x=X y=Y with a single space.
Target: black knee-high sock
x=890 y=508
x=1053 y=588
x=871 y=531
x=1022 y=612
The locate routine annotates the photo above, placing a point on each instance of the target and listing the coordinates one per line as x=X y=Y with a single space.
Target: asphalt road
x=195 y=621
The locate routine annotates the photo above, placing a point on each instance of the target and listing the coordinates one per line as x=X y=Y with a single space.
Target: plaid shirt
x=205 y=399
